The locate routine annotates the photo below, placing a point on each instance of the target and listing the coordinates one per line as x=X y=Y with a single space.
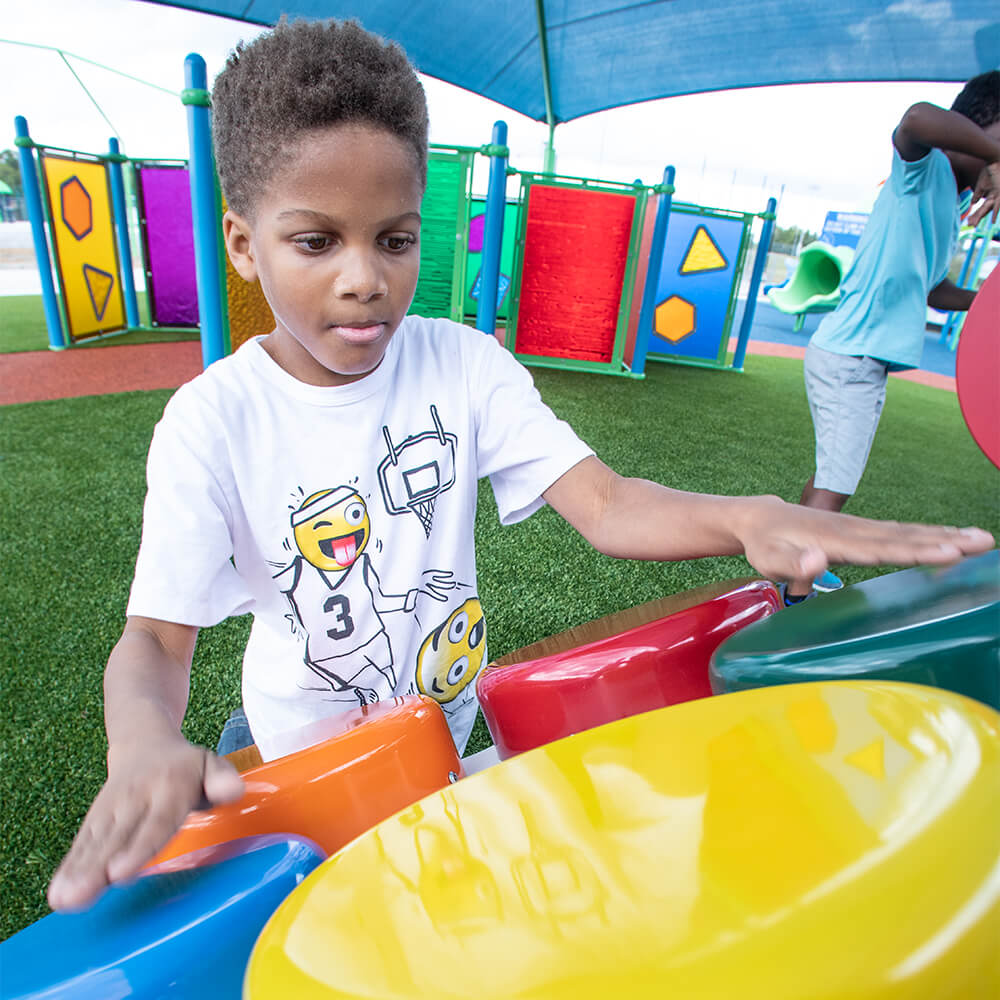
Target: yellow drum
x=815 y=840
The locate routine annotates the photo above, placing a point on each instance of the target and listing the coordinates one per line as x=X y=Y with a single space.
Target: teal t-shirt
x=903 y=253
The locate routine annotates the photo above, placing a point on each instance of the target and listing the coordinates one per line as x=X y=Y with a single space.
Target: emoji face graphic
x=331 y=528
x=453 y=653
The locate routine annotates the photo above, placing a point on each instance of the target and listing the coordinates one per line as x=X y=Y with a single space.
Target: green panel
x=443 y=236
x=939 y=627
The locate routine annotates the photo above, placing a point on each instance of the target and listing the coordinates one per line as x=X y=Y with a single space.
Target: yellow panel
x=85 y=245
x=249 y=313
x=728 y=847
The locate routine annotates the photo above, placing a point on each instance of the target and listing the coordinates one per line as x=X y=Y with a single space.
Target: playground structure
x=980 y=239
x=814 y=286
x=662 y=284
x=839 y=796
x=81 y=199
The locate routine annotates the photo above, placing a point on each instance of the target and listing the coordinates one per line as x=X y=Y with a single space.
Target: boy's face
x=335 y=244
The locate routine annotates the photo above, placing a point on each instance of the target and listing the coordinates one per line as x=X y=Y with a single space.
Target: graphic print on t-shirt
x=337 y=600
x=417 y=471
x=450 y=657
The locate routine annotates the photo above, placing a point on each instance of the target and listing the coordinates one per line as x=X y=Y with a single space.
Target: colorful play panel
x=925 y=626
x=573 y=293
x=833 y=839
x=698 y=283
x=163 y=194
x=977 y=368
x=185 y=933
x=538 y=699
x=444 y=233
x=378 y=759
x=79 y=200
x=474 y=254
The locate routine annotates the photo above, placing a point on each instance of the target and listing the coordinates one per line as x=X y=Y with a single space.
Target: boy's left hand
x=988 y=193
x=785 y=541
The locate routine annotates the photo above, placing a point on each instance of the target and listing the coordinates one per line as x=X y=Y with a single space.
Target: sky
x=816 y=147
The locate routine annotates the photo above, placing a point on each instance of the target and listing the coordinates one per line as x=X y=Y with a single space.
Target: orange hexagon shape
x=76 y=208
x=674 y=318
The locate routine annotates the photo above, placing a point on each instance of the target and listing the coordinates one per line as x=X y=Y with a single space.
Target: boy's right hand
x=149 y=791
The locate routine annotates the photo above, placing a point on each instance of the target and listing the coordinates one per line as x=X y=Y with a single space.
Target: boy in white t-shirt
x=324 y=476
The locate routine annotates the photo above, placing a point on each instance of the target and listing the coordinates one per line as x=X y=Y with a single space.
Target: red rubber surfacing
x=31 y=376
x=575 y=252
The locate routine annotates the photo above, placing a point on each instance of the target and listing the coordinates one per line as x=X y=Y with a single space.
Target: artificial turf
x=72 y=488
x=22 y=327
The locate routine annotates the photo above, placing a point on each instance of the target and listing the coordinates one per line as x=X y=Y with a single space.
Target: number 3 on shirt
x=339 y=607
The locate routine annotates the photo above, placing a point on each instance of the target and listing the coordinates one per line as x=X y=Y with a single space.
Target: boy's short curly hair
x=980 y=99
x=301 y=76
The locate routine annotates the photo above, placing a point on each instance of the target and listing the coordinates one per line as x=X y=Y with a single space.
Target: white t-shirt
x=342 y=518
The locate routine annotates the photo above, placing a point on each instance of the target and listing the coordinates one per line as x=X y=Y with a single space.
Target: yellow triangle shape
x=703 y=254
x=870 y=759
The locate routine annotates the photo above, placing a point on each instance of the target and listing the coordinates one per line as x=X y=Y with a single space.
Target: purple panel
x=166 y=198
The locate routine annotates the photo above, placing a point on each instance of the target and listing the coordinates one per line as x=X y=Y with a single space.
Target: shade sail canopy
x=555 y=60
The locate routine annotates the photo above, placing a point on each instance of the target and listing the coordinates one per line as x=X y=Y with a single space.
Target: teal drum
x=939 y=627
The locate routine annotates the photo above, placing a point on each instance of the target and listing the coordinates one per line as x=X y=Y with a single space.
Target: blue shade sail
x=600 y=55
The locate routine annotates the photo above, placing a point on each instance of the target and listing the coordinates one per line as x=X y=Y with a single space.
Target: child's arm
x=977 y=165
x=155 y=777
x=948 y=297
x=637 y=519
x=926 y=126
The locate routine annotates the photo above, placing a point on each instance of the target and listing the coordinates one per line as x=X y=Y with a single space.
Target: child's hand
x=988 y=191
x=149 y=791
x=786 y=541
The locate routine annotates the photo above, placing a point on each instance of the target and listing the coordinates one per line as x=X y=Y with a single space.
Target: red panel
x=662 y=663
x=575 y=252
x=382 y=759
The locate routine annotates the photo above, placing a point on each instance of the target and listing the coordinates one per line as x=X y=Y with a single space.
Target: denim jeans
x=235 y=733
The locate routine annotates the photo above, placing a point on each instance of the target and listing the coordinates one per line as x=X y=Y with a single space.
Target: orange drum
x=379 y=760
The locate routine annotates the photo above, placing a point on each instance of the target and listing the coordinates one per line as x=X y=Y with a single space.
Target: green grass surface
x=72 y=487
x=22 y=327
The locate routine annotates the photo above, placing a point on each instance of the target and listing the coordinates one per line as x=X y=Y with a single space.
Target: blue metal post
x=755 y=277
x=496 y=200
x=648 y=307
x=121 y=225
x=204 y=214
x=36 y=216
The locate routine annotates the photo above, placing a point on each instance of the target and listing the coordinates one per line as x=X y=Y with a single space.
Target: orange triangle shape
x=703 y=254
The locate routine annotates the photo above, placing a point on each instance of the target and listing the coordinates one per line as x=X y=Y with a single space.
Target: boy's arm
x=637 y=519
x=948 y=297
x=926 y=126
x=155 y=777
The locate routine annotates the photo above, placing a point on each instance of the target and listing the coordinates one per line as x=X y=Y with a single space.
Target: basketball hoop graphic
x=414 y=474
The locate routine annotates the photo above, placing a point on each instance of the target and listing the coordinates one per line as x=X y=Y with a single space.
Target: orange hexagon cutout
x=674 y=318
x=76 y=208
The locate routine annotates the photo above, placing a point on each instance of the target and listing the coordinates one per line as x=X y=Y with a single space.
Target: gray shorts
x=846 y=394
